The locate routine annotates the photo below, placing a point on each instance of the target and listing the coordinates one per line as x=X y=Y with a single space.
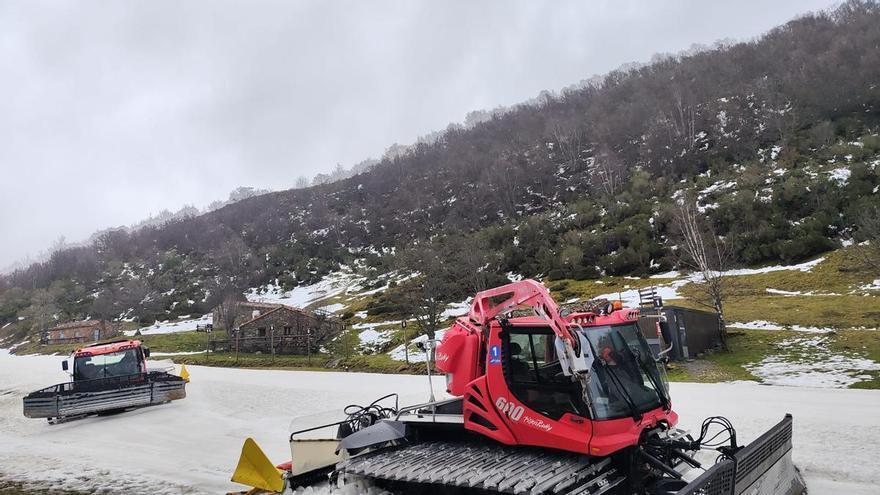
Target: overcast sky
x=111 y=111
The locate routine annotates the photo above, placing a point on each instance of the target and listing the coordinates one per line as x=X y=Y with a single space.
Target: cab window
x=535 y=376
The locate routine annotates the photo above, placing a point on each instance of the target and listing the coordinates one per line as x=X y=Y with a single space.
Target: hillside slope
x=776 y=140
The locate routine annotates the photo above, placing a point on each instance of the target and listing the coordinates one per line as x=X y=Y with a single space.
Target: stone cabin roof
x=275 y=308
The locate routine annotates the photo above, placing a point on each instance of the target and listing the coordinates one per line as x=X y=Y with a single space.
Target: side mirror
x=146 y=352
x=64 y=365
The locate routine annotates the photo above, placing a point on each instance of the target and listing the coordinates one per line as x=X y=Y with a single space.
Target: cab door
x=539 y=404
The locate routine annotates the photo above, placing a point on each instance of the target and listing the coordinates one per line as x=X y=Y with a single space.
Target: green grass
x=378 y=363
x=169 y=342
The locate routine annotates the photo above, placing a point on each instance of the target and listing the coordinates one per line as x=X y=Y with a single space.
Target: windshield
x=625 y=376
x=120 y=363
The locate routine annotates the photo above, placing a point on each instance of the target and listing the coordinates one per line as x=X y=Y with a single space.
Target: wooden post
x=207 y=345
x=309 y=344
x=272 y=341
x=405 y=341
x=237 y=343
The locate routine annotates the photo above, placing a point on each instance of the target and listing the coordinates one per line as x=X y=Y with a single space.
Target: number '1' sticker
x=495 y=354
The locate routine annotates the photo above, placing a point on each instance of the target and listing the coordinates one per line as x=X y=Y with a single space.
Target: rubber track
x=489 y=467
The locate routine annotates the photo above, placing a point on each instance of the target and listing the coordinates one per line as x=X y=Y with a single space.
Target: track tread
x=486 y=466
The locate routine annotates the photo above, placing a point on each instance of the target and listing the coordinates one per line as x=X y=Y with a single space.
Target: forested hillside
x=776 y=140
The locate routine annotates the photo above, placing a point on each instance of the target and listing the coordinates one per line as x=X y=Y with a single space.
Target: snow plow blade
x=83 y=398
x=764 y=467
x=256 y=470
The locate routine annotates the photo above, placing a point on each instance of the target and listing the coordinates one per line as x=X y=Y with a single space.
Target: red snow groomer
x=543 y=404
x=107 y=378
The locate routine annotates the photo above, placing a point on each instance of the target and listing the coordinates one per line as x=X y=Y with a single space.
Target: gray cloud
x=112 y=111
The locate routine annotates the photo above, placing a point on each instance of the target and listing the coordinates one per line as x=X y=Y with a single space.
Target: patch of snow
x=669 y=274
x=802 y=267
x=756 y=325
x=716 y=187
x=333 y=308
x=840 y=175
x=334 y=284
x=374 y=340
x=797 y=293
x=809 y=362
x=455 y=310
x=172 y=326
x=370 y=326
x=875 y=285
x=630 y=297
x=769 y=325
x=415 y=355
x=16 y=346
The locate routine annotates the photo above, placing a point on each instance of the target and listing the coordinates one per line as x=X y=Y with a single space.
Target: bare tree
x=607 y=172
x=569 y=143
x=228 y=312
x=427 y=294
x=228 y=309
x=703 y=251
x=41 y=313
x=868 y=224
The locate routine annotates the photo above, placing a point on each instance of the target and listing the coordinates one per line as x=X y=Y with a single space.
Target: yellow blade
x=256 y=470
x=184 y=373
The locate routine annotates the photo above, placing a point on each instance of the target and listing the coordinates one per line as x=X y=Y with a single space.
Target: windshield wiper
x=661 y=393
x=634 y=411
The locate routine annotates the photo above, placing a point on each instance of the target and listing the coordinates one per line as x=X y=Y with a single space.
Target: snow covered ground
x=807 y=361
x=192 y=446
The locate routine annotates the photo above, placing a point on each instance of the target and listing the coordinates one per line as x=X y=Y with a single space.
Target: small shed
x=691 y=331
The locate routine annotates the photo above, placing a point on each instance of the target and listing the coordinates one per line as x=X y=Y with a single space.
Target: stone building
x=79 y=332
x=245 y=311
x=260 y=326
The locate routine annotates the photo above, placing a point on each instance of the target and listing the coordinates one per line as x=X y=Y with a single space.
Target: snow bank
x=169 y=326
